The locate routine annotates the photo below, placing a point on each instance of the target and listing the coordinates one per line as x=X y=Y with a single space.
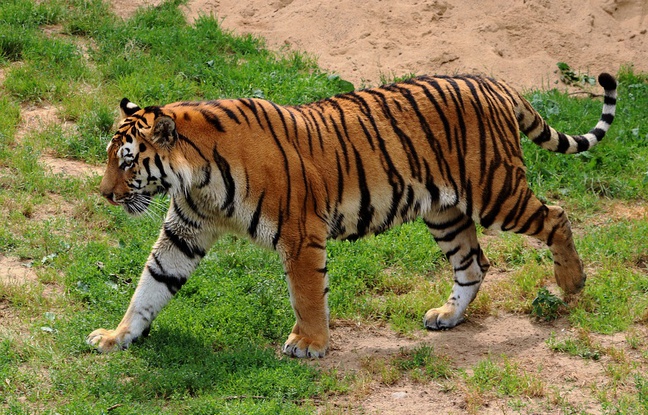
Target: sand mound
x=519 y=41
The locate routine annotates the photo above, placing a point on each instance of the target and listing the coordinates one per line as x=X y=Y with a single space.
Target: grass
x=214 y=348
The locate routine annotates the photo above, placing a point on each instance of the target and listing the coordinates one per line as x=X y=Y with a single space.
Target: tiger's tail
x=532 y=124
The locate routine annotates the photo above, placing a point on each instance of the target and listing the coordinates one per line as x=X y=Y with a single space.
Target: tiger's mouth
x=112 y=202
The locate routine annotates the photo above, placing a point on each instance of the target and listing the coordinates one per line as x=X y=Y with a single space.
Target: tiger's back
x=446 y=149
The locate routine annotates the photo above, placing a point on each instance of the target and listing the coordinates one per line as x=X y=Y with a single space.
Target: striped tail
x=532 y=124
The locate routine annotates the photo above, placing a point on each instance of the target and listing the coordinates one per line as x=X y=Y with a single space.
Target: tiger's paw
x=570 y=276
x=445 y=317
x=301 y=346
x=106 y=341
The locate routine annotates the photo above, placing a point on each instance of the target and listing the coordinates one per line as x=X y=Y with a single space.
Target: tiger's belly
x=358 y=217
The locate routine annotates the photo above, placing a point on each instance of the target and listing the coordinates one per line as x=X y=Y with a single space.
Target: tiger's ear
x=127 y=108
x=164 y=130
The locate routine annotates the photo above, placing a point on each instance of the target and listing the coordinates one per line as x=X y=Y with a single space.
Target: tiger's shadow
x=185 y=363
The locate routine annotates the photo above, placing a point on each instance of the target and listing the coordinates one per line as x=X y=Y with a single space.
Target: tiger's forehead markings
x=123 y=130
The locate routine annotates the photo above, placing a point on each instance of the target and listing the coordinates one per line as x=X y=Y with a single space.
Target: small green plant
x=546 y=306
x=569 y=77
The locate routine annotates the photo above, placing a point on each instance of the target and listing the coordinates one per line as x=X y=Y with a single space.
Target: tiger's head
x=138 y=158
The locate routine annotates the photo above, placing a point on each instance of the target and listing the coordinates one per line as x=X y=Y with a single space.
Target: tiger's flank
x=445 y=149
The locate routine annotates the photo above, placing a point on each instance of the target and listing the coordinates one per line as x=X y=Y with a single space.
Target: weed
x=569 y=77
x=546 y=306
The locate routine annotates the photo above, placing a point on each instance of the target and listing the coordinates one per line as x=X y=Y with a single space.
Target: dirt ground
x=519 y=41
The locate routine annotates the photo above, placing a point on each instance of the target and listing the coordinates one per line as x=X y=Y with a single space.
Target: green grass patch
x=581 y=346
x=423 y=364
x=501 y=378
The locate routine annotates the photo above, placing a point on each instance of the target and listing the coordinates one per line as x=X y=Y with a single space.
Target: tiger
x=446 y=149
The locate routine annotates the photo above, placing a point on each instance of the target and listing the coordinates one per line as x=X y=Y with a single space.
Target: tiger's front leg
x=174 y=257
x=308 y=286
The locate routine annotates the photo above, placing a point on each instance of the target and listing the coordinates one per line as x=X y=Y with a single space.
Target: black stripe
x=343 y=145
x=551 y=235
x=315 y=245
x=240 y=110
x=544 y=136
x=212 y=119
x=366 y=132
x=429 y=183
x=182 y=245
x=190 y=202
x=251 y=104
x=277 y=235
x=563 y=143
x=193 y=145
x=228 y=181
x=534 y=124
x=514 y=214
x=281 y=116
x=608 y=118
x=230 y=114
x=439 y=111
x=366 y=211
x=409 y=199
x=172 y=283
x=405 y=140
x=467 y=260
x=307 y=122
x=182 y=216
x=583 y=144
x=254 y=223
x=598 y=133
x=453 y=234
x=446 y=224
x=466 y=284
x=147 y=166
x=207 y=170
x=394 y=177
x=506 y=189
x=159 y=165
x=539 y=214
x=452 y=252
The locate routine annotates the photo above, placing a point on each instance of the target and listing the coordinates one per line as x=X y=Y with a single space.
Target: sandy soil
x=519 y=41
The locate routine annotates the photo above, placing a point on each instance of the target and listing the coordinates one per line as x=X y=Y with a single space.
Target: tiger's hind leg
x=457 y=237
x=550 y=225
